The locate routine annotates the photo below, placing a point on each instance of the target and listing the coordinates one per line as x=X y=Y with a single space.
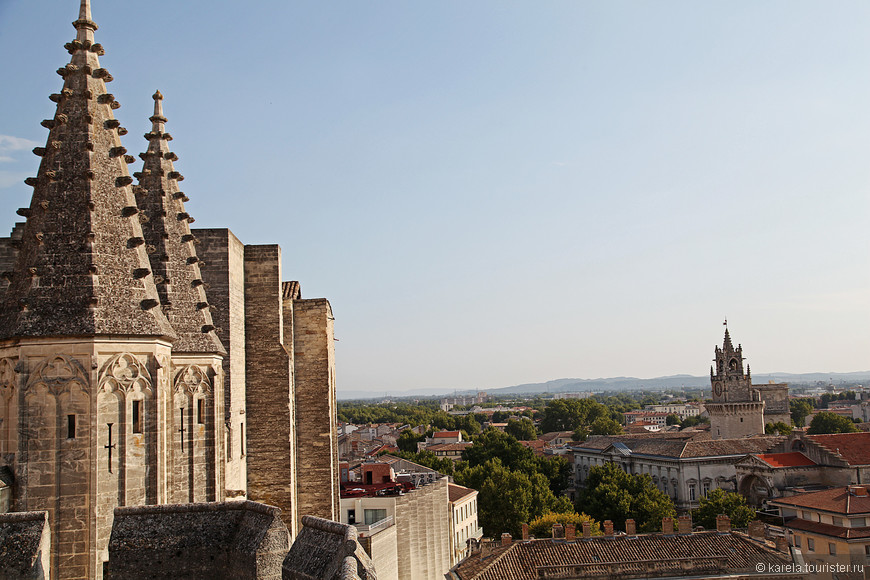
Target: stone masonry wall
x=423 y=532
x=314 y=379
x=9 y=252
x=225 y=277
x=270 y=423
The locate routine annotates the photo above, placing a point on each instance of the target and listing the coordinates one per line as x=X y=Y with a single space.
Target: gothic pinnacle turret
x=81 y=267
x=170 y=244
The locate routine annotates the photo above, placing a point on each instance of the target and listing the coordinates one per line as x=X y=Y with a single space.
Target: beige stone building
x=739 y=408
x=463 y=524
x=130 y=344
x=406 y=530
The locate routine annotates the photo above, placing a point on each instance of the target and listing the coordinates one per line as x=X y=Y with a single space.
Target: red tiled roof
x=790 y=459
x=854 y=448
x=457 y=492
x=697 y=554
x=829 y=529
x=837 y=500
x=442 y=434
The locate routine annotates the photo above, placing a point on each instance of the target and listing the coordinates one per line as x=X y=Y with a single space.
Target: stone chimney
x=723 y=523
x=506 y=539
x=587 y=529
x=782 y=544
x=558 y=532
x=608 y=528
x=668 y=526
x=756 y=529
x=630 y=528
x=570 y=532
x=525 y=532
x=684 y=525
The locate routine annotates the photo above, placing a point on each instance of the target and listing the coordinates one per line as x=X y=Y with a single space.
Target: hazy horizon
x=493 y=192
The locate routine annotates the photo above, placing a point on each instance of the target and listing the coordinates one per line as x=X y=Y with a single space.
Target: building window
x=351 y=517
x=70 y=426
x=241 y=439
x=705 y=488
x=832 y=549
x=867 y=550
x=691 y=493
x=811 y=545
x=797 y=541
x=374 y=516
x=837 y=521
x=858 y=522
x=137 y=416
x=200 y=412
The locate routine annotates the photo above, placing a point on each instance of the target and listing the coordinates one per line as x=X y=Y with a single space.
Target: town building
x=805 y=462
x=463 y=524
x=406 y=530
x=130 y=344
x=739 y=408
x=830 y=526
x=684 y=468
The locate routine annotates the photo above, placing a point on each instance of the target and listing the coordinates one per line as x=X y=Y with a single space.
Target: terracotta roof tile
x=854 y=448
x=829 y=529
x=706 y=553
x=838 y=500
x=790 y=459
x=457 y=492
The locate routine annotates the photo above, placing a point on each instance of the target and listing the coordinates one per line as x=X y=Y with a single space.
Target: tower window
x=241 y=439
x=200 y=412
x=70 y=426
x=137 y=416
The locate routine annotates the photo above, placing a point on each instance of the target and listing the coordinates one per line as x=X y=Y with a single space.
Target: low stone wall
x=25 y=543
x=239 y=540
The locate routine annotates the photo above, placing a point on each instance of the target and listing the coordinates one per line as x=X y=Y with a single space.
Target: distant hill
x=613 y=384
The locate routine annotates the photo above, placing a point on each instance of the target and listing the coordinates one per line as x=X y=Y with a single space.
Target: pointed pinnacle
x=85 y=25
x=85 y=10
x=157 y=119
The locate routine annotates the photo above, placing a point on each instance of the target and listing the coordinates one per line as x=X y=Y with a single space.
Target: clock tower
x=737 y=409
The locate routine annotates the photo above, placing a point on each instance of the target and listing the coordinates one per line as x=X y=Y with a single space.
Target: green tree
x=826 y=422
x=694 y=421
x=493 y=443
x=568 y=414
x=777 y=428
x=408 y=440
x=542 y=527
x=718 y=502
x=522 y=430
x=507 y=499
x=612 y=494
x=672 y=419
x=605 y=426
x=800 y=408
x=557 y=470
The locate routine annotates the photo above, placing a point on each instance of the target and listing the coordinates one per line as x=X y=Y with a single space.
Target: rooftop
x=790 y=459
x=457 y=492
x=838 y=500
x=642 y=556
x=854 y=448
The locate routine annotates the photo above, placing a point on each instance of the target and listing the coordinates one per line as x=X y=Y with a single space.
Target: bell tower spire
x=170 y=244
x=85 y=24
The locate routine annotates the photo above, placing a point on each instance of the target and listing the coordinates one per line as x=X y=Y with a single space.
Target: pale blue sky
x=500 y=192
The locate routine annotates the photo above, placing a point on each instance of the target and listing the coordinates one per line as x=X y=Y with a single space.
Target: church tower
x=108 y=358
x=737 y=410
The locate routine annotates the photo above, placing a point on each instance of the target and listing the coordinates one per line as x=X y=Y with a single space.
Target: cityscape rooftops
x=854 y=448
x=848 y=500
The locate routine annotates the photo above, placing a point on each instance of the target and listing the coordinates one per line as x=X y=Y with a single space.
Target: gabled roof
x=789 y=459
x=82 y=267
x=854 y=448
x=838 y=500
x=445 y=434
x=457 y=492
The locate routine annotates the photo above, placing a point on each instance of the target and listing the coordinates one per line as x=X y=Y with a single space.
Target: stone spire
x=726 y=345
x=170 y=245
x=82 y=267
